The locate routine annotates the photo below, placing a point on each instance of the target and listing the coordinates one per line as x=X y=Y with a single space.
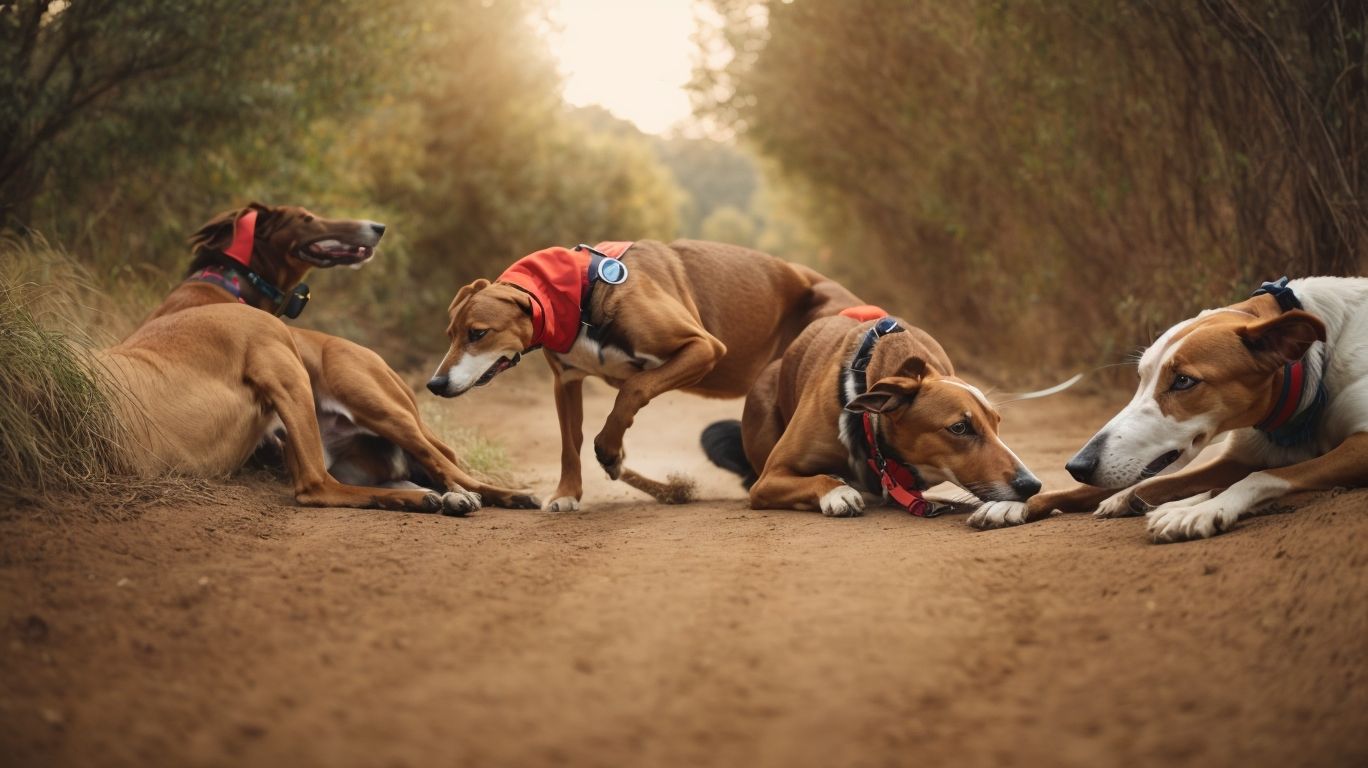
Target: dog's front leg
x=781 y=488
x=1002 y=514
x=1346 y=465
x=570 y=412
x=690 y=363
x=1139 y=499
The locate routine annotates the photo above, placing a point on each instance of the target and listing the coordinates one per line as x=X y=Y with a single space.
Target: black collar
x=852 y=382
x=229 y=274
x=1278 y=289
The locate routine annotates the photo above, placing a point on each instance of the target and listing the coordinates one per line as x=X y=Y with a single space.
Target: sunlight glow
x=633 y=57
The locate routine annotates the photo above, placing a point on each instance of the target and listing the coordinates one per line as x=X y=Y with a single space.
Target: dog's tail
x=722 y=443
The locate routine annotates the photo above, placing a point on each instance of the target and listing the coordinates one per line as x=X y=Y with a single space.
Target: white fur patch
x=842 y=501
x=1205 y=515
x=463 y=375
x=998 y=514
x=605 y=360
x=563 y=504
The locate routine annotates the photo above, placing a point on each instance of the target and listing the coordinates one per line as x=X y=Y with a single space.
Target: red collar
x=244 y=238
x=1294 y=380
x=556 y=279
x=901 y=482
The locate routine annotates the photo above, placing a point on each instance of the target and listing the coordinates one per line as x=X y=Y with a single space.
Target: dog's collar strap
x=226 y=278
x=1294 y=416
x=604 y=267
x=900 y=482
x=230 y=277
x=1280 y=291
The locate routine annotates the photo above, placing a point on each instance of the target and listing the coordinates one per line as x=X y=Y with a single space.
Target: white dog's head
x=1219 y=371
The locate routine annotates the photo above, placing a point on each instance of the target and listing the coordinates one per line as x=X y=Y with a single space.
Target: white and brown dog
x=646 y=317
x=1284 y=372
x=864 y=403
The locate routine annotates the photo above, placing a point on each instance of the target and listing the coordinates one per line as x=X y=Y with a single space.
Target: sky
x=633 y=57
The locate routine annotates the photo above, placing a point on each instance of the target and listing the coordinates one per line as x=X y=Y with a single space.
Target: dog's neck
x=215 y=278
x=1300 y=400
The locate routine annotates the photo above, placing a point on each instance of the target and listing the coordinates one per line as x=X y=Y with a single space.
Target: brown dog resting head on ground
x=872 y=407
x=646 y=317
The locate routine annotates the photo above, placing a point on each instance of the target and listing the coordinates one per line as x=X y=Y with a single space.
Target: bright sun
x=633 y=57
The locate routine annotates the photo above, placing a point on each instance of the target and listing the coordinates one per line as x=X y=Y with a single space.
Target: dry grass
x=60 y=441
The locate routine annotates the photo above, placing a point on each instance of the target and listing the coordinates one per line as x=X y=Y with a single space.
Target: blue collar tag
x=612 y=271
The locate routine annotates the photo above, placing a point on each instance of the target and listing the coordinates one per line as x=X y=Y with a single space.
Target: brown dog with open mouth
x=368 y=421
x=865 y=404
x=646 y=317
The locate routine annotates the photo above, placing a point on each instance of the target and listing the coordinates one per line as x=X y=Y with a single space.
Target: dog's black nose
x=437 y=385
x=1026 y=485
x=1082 y=466
x=377 y=228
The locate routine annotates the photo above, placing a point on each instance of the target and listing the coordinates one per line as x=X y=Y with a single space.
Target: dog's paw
x=521 y=501
x=998 y=514
x=432 y=502
x=610 y=459
x=563 y=504
x=1199 y=517
x=1123 y=504
x=842 y=501
x=459 y=503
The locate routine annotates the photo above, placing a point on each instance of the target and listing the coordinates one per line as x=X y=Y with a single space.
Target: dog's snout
x=377 y=228
x=437 y=385
x=1025 y=484
x=1083 y=466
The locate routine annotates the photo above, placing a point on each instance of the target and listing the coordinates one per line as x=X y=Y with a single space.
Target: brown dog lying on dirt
x=646 y=317
x=208 y=372
x=817 y=434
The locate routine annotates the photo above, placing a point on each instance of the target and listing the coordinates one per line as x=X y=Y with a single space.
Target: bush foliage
x=1061 y=178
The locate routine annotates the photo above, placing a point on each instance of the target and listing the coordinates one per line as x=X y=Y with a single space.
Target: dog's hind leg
x=378 y=400
x=274 y=370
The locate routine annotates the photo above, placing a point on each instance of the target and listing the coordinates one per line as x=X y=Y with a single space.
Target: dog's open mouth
x=1159 y=464
x=499 y=366
x=331 y=252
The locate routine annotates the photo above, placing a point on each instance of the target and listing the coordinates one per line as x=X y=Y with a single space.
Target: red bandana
x=556 y=279
x=244 y=234
x=864 y=312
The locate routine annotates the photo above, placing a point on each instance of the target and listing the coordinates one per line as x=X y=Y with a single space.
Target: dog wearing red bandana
x=647 y=317
x=863 y=403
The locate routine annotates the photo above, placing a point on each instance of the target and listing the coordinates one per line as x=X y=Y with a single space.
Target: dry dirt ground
x=249 y=631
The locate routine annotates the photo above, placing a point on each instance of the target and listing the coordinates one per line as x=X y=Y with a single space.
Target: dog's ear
x=463 y=295
x=1283 y=339
x=891 y=392
x=268 y=217
x=217 y=233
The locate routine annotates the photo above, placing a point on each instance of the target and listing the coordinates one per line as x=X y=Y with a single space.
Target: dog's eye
x=1182 y=382
x=308 y=218
x=475 y=334
x=961 y=428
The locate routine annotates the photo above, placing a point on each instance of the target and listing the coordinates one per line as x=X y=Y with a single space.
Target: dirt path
x=253 y=632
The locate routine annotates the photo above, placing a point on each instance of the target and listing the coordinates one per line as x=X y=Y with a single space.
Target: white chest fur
x=590 y=358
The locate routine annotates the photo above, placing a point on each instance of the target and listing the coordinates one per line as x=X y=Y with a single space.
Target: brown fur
x=203 y=373
x=790 y=426
x=714 y=315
